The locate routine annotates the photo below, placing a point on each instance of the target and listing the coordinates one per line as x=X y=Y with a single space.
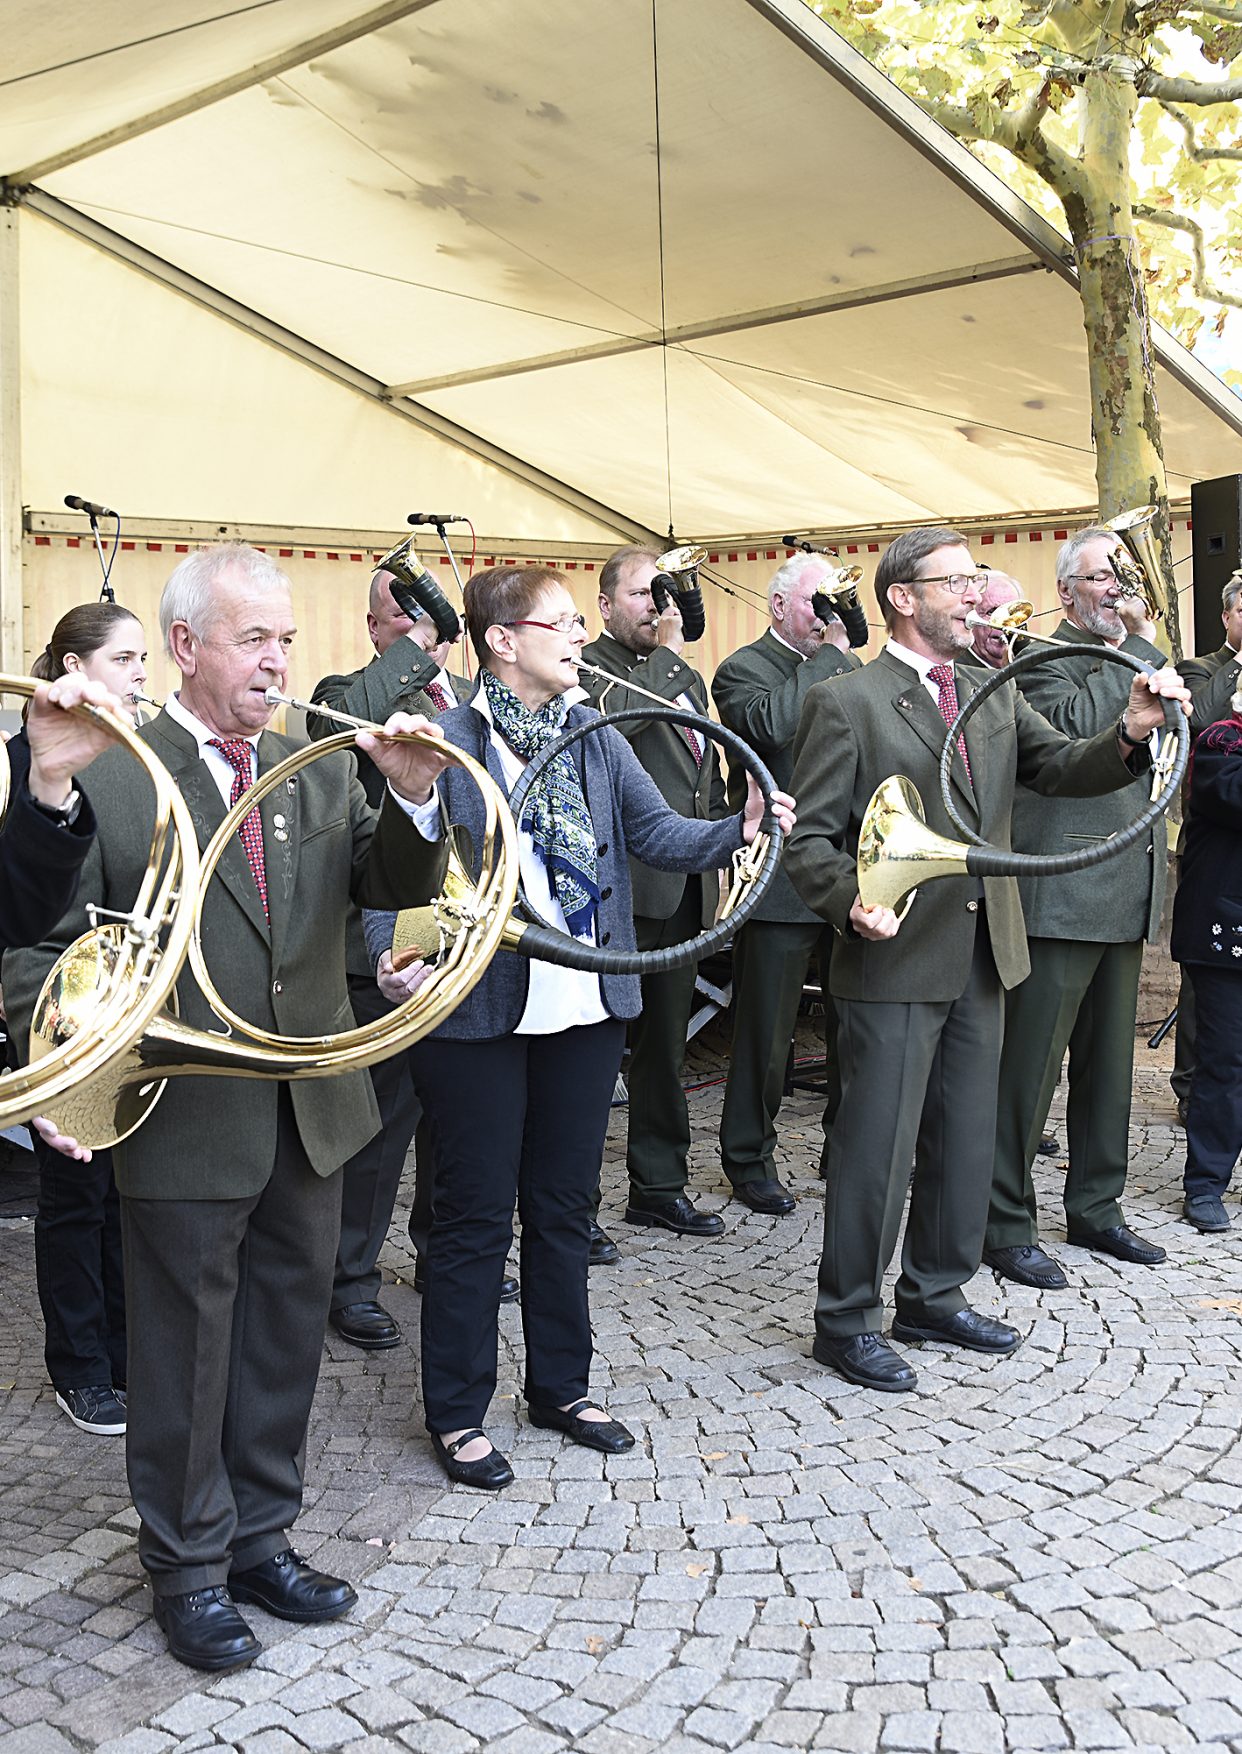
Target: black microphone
x=805 y=546
x=437 y=518
x=76 y=503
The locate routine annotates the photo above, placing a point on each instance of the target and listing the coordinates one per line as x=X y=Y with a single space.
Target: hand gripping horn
x=147 y=1049
x=897 y=852
x=754 y=867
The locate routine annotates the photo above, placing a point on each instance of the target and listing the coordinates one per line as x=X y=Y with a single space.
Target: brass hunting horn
x=106 y=978
x=1137 y=564
x=897 y=851
x=131 y=973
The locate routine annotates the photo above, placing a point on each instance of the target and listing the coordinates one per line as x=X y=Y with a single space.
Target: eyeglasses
x=562 y=624
x=956 y=583
x=1106 y=576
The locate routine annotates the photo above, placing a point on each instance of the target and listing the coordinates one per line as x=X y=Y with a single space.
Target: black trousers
x=918 y=1081
x=228 y=1301
x=519 y=1119
x=79 y=1270
x=1214 y=1114
x=372 y=1176
x=770 y=962
x=658 y=1143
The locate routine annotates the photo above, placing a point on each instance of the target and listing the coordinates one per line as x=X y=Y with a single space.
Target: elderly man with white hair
x=230 y=1195
x=759 y=692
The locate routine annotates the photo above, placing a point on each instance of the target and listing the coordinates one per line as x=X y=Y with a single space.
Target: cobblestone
x=1042 y=1552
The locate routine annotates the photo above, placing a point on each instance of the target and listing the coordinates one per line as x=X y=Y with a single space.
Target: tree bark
x=1129 y=453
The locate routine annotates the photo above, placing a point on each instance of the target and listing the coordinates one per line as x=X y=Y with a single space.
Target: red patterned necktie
x=942 y=676
x=236 y=751
x=695 y=742
x=438 y=698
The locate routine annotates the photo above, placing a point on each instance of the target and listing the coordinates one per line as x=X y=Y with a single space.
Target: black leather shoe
x=1028 y=1264
x=968 y=1328
x=864 y=1358
x=510 y=1290
x=770 y=1197
x=602 y=1434
x=367 y=1325
x=293 y=1590
x=1120 y=1242
x=1048 y=1146
x=204 y=1629
x=678 y=1215
x=490 y=1472
x=604 y=1250
x=1205 y=1212
x=1183 y=1112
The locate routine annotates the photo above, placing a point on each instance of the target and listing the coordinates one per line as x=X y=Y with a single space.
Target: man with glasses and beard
x=1086 y=946
x=921 y=1003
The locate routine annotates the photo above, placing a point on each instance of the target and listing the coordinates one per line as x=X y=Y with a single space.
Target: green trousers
x=770 y=963
x=1084 y=997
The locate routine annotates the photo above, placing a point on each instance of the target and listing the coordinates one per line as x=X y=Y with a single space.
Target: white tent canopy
x=583 y=268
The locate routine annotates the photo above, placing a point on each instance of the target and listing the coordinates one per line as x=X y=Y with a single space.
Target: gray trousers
x=918 y=1082
x=227 y=1305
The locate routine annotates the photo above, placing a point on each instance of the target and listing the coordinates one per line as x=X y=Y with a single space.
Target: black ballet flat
x=607 y=1435
x=490 y=1472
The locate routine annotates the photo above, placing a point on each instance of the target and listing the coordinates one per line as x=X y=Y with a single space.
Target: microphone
x=437 y=518
x=76 y=503
x=805 y=546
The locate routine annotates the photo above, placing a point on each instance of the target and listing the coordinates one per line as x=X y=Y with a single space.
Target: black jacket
x=1207 y=911
x=39 y=860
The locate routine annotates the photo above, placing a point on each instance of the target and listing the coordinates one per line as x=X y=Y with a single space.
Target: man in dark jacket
x=647 y=645
x=407 y=674
x=1086 y=946
x=921 y=1008
x=1212 y=680
x=759 y=692
x=229 y=1203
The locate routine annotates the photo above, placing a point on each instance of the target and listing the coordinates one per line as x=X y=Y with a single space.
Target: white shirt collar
x=915 y=660
x=201 y=733
x=784 y=642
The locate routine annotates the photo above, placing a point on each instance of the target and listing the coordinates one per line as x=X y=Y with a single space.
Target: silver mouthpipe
x=619 y=682
x=274 y=697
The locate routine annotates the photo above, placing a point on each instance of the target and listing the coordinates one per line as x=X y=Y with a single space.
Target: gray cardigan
x=629 y=816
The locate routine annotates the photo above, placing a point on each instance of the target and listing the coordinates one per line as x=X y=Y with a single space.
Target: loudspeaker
x=1216 y=536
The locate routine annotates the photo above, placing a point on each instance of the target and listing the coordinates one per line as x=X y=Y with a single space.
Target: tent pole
x=12 y=655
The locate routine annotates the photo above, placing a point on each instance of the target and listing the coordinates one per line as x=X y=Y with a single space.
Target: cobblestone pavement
x=1040 y=1552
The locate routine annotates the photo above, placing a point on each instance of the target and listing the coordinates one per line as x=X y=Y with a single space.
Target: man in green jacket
x=921 y=1002
x=230 y=1202
x=1086 y=935
x=759 y=692
x=647 y=645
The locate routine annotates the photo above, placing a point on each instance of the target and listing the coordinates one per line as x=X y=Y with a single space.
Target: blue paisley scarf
x=557 y=815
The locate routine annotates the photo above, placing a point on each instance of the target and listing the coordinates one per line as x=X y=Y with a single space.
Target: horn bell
x=897 y=851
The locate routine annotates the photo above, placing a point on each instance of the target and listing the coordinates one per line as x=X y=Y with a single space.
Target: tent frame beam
x=12 y=594
x=233 y=83
x=253 y=322
x=730 y=325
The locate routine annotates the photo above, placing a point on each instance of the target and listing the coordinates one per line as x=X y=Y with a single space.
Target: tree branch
x=1149 y=83
x=1205 y=8
x=1020 y=134
x=1205 y=288
x=1200 y=154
